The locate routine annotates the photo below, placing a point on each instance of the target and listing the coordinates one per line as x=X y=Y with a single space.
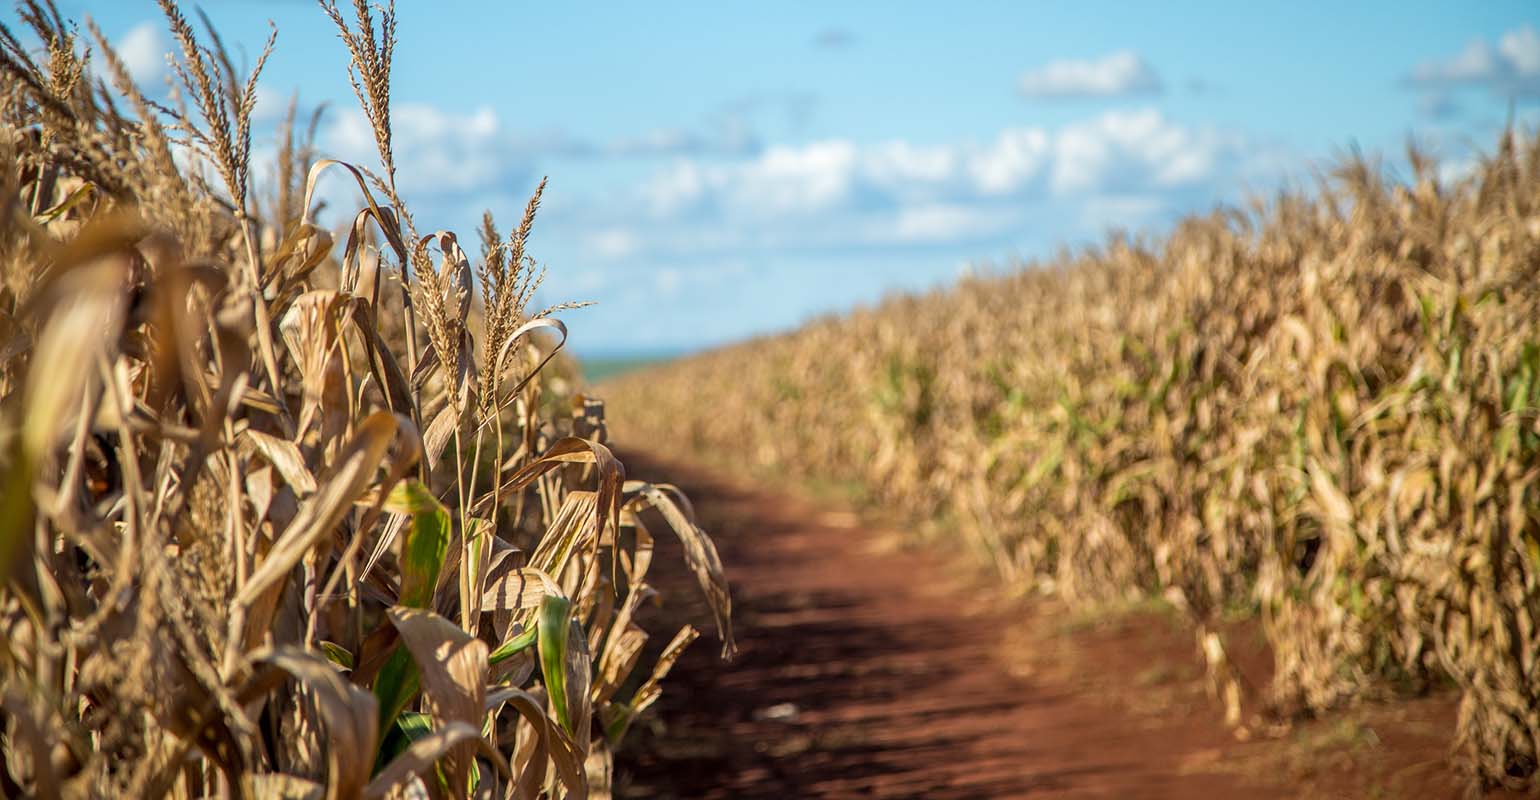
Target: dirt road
x=867 y=670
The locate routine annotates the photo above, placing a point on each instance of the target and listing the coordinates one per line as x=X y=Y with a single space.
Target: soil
x=868 y=667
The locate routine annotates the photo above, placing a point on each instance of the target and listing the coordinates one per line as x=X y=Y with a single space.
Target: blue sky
x=720 y=170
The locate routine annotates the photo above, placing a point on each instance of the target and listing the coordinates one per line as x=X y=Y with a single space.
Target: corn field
x=280 y=518
x=1320 y=410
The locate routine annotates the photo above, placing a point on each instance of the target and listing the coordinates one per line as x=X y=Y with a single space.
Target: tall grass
x=279 y=518
x=1321 y=410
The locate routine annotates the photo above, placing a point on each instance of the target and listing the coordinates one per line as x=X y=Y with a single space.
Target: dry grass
x=278 y=519
x=1322 y=410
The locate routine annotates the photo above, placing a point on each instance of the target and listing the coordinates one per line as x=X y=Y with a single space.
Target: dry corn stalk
x=279 y=519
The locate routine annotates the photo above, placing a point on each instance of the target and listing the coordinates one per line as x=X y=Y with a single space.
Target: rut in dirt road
x=864 y=673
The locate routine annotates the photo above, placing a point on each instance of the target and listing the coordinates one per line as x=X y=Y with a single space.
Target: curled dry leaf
x=320 y=514
x=700 y=552
x=572 y=450
x=348 y=713
x=312 y=331
x=285 y=456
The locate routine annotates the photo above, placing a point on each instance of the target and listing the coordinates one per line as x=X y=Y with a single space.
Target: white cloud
x=1135 y=149
x=1511 y=67
x=1521 y=49
x=840 y=193
x=796 y=179
x=782 y=180
x=900 y=163
x=143 y=50
x=942 y=223
x=1113 y=149
x=1477 y=62
x=1118 y=74
x=1016 y=157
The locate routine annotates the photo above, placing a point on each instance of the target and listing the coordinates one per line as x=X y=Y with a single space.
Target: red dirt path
x=867 y=670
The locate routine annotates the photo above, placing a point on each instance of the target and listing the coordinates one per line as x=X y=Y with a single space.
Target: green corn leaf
x=552 y=631
x=427 y=542
x=422 y=558
x=409 y=727
x=395 y=686
x=337 y=654
x=513 y=647
x=412 y=726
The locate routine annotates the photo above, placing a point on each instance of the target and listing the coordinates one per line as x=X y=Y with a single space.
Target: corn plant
x=279 y=518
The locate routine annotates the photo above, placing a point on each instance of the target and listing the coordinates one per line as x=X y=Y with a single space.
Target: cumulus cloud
x=1511 y=66
x=782 y=180
x=1015 y=157
x=1521 y=49
x=840 y=193
x=1116 y=75
x=1130 y=150
x=143 y=50
x=1114 y=150
x=899 y=163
